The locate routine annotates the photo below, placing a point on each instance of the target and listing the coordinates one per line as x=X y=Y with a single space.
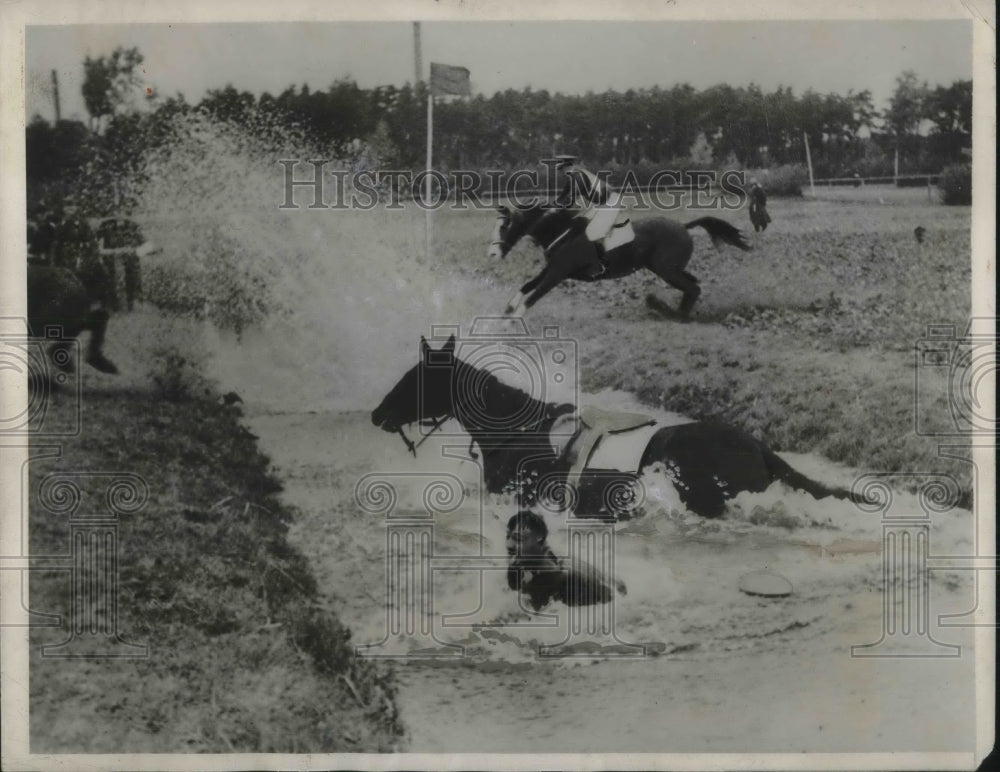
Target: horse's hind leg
x=679 y=278
x=97 y=323
x=691 y=290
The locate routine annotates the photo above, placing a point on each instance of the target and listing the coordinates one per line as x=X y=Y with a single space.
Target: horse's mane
x=543 y=220
x=505 y=393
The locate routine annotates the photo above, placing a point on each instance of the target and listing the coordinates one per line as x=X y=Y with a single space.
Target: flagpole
x=444 y=79
x=809 y=163
x=427 y=179
x=418 y=64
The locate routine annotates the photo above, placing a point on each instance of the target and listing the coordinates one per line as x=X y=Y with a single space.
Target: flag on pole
x=449 y=79
x=446 y=79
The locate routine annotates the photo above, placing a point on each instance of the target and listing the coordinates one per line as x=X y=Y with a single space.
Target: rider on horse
x=599 y=207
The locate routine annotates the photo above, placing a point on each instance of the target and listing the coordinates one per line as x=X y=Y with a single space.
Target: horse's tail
x=781 y=470
x=719 y=230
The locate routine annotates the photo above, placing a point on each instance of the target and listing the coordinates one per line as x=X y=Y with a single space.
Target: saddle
x=606 y=448
x=621 y=234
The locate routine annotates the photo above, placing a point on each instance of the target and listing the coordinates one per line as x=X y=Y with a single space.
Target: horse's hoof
x=102 y=363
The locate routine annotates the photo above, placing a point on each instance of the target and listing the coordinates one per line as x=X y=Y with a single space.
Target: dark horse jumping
x=663 y=246
x=712 y=462
x=57 y=298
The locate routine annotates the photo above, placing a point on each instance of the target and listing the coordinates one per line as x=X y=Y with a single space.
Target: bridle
x=551 y=413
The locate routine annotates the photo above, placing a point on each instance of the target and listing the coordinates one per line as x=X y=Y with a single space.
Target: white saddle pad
x=620 y=235
x=622 y=451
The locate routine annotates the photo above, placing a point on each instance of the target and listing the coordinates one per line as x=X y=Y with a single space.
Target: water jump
x=530 y=446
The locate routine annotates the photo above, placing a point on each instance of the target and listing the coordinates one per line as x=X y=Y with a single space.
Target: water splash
x=326 y=301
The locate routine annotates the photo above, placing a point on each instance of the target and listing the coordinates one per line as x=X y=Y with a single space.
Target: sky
x=570 y=57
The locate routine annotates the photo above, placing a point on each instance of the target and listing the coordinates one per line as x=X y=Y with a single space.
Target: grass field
x=808 y=341
x=881 y=194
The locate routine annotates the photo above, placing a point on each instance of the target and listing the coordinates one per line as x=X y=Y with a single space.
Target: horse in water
x=710 y=462
x=660 y=245
x=57 y=298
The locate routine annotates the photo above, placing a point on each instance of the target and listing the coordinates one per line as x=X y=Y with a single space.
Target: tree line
x=721 y=125
x=385 y=127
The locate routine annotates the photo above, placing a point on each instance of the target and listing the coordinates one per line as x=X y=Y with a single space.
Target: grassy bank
x=243 y=654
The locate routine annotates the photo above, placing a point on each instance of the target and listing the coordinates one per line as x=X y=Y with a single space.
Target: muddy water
x=726 y=671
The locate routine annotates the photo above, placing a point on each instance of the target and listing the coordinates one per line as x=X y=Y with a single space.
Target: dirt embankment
x=243 y=653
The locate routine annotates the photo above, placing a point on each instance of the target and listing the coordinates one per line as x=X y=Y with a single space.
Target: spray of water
x=310 y=308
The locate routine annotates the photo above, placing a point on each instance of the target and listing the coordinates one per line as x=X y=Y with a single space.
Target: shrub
x=874 y=162
x=787 y=180
x=955 y=185
x=177 y=370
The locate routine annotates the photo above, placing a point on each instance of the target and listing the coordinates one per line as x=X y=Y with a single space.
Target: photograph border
x=14 y=653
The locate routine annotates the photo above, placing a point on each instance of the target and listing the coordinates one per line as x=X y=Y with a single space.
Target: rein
x=506 y=245
x=551 y=412
x=435 y=425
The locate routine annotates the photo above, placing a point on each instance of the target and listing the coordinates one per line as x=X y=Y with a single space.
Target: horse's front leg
x=516 y=303
x=575 y=256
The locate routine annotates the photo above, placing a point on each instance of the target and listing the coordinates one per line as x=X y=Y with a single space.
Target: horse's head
x=423 y=394
x=440 y=387
x=500 y=243
x=511 y=226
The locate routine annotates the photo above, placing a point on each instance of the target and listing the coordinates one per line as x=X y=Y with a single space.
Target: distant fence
x=549 y=195
x=491 y=197
x=902 y=181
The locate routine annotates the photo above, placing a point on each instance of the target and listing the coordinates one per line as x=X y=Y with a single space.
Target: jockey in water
x=599 y=207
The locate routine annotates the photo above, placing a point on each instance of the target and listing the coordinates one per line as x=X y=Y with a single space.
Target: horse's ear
x=503 y=209
x=450 y=344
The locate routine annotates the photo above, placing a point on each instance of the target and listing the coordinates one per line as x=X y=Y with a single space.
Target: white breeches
x=602 y=218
